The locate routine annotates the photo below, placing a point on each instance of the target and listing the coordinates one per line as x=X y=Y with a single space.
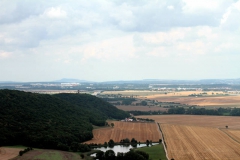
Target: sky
x=107 y=40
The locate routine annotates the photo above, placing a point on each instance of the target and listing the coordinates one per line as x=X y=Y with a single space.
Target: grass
x=52 y=155
x=155 y=152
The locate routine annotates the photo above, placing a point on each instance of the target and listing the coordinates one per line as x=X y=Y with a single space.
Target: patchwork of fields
x=198 y=120
x=121 y=130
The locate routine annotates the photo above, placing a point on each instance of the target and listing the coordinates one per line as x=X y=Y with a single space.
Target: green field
x=155 y=152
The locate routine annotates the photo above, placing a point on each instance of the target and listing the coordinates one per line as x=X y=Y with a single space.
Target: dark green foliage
x=111 y=143
x=84 y=148
x=127 y=101
x=144 y=154
x=52 y=122
x=110 y=155
x=147 y=142
x=120 y=156
x=131 y=155
x=98 y=109
x=143 y=103
x=24 y=151
x=82 y=156
x=100 y=155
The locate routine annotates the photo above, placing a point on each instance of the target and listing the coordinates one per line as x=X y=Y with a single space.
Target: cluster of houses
x=127 y=120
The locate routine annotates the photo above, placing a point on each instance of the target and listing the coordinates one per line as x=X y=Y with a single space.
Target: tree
x=144 y=103
x=82 y=156
x=100 y=155
x=131 y=155
x=112 y=124
x=111 y=143
x=147 y=142
x=110 y=155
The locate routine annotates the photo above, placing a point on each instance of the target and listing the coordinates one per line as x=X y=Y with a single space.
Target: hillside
x=48 y=121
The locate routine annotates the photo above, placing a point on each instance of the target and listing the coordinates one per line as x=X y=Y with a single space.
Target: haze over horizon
x=119 y=40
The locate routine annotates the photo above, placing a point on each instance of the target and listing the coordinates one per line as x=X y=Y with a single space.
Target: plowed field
x=192 y=142
x=8 y=153
x=121 y=130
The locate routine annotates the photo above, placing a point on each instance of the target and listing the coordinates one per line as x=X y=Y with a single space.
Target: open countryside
x=200 y=98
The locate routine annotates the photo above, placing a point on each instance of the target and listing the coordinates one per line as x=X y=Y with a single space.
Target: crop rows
x=192 y=142
x=121 y=130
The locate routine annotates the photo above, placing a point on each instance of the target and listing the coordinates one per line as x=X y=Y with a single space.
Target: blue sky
x=103 y=40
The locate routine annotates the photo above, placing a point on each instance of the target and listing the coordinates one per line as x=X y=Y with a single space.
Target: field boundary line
x=163 y=142
x=229 y=136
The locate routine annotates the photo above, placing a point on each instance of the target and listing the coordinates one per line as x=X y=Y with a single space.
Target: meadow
x=41 y=154
x=155 y=152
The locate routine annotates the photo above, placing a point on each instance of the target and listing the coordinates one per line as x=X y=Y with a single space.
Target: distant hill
x=50 y=121
x=68 y=80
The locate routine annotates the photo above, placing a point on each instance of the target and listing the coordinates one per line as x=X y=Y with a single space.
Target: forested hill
x=96 y=107
x=50 y=121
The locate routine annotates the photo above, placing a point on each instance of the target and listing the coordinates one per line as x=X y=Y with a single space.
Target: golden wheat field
x=233 y=122
x=121 y=130
x=193 y=142
x=233 y=133
x=221 y=101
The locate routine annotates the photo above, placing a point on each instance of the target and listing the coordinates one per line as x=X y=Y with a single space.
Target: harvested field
x=192 y=142
x=227 y=101
x=141 y=108
x=195 y=120
x=121 y=130
x=234 y=134
x=42 y=154
x=8 y=153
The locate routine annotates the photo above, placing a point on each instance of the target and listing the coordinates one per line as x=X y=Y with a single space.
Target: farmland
x=38 y=154
x=192 y=142
x=198 y=120
x=200 y=98
x=121 y=130
x=200 y=137
x=8 y=153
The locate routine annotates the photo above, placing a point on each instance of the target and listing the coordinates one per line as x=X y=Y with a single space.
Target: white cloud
x=55 y=12
x=170 y=7
x=114 y=49
x=4 y=54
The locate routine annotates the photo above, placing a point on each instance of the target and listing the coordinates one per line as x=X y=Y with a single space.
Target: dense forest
x=51 y=121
